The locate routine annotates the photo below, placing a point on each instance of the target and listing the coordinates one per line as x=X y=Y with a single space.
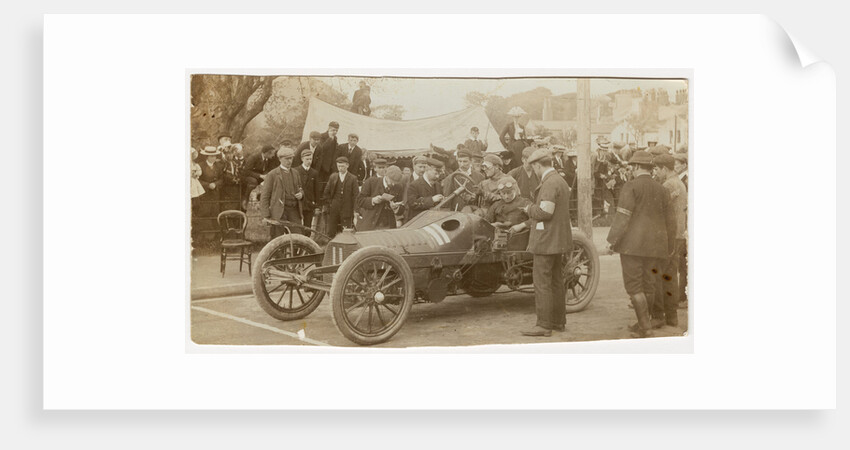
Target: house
x=673 y=132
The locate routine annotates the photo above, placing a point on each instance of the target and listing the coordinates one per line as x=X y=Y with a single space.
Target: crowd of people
x=330 y=186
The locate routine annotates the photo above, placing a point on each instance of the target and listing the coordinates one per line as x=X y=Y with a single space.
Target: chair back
x=232 y=223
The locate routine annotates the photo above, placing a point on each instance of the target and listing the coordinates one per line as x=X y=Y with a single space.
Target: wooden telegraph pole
x=585 y=186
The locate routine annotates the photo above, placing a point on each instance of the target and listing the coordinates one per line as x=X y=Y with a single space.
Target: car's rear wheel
x=581 y=273
x=372 y=293
x=280 y=298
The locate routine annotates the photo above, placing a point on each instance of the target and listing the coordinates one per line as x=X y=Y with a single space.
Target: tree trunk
x=252 y=106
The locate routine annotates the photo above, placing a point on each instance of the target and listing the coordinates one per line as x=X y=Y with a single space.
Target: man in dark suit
x=424 y=192
x=353 y=154
x=324 y=160
x=377 y=211
x=339 y=198
x=310 y=183
x=282 y=193
x=464 y=162
x=550 y=238
x=312 y=144
x=565 y=165
x=255 y=169
x=525 y=176
x=642 y=232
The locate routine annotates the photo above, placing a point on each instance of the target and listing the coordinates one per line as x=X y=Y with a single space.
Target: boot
x=642 y=313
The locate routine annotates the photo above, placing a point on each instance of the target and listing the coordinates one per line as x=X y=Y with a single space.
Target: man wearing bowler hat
x=340 y=196
x=550 y=238
x=642 y=232
x=282 y=193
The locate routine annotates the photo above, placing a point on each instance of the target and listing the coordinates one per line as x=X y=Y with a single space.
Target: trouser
x=665 y=302
x=308 y=220
x=249 y=184
x=639 y=275
x=290 y=215
x=336 y=223
x=549 y=291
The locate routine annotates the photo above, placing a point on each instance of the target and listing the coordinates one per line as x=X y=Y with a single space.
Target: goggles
x=508 y=185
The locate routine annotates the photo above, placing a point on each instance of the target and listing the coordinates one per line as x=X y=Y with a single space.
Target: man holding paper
x=550 y=238
x=379 y=201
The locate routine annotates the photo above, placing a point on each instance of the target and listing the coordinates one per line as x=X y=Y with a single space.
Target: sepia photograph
x=406 y=212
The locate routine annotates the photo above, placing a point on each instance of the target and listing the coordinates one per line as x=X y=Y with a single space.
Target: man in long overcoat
x=550 y=238
x=282 y=193
x=642 y=232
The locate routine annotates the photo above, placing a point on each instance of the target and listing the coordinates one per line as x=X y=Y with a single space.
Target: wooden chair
x=231 y=224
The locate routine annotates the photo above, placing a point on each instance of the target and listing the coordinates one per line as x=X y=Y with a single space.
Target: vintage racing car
x=375 y=277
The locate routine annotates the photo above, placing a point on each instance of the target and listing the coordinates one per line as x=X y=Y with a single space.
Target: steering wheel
x=461 y=183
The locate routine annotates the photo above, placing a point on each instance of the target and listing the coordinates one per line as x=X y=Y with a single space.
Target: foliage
x=389 y=112
x=225 y=104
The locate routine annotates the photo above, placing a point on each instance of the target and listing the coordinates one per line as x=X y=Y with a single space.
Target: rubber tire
x=263 y=299
x=580 y=239
x=338 y=286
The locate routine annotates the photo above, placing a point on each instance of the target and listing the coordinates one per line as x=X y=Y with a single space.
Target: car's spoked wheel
x=581 y=273
x=372 y=294
x=274 y=288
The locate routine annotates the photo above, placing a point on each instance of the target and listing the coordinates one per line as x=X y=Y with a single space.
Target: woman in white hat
x=212 y=170
x=513 y=135
x=195 y=188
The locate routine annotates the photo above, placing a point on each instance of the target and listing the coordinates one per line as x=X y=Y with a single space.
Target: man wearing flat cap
x=379 y=201
x=525 y=176
x=312 y=144
x=282 y=193
x=310 y=183
x=549 y=240
x=643 y=232
x=424 y=192
x=464 y=162
x=489 y=190
x=340 y=196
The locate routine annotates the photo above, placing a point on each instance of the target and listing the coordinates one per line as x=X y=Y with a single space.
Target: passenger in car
x=509 y=210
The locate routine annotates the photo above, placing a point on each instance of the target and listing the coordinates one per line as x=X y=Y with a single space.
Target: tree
x=225 y=104
x=475 y=98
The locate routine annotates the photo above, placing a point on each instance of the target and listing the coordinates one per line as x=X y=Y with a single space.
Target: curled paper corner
x=796 y=49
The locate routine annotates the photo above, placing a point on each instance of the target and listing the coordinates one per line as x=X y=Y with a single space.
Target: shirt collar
x=284 y=168
x=545 y=172
x=306 y=167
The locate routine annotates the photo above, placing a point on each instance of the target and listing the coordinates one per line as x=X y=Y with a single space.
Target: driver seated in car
x=509 y=210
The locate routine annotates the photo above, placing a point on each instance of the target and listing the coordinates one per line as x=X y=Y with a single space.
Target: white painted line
x=262 y=326
x=220 y=299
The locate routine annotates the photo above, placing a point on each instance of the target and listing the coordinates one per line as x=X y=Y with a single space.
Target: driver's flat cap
x=541 y=154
